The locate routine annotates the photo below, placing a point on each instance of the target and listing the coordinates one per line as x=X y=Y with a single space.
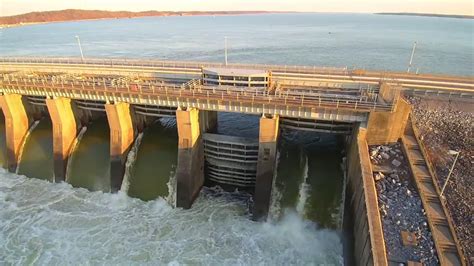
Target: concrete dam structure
x=364 y=107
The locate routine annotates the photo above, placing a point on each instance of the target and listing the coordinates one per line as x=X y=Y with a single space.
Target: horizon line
x=250 y=11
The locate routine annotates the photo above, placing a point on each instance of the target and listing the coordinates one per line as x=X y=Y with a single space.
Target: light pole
x=80 y=47
x=451 y=152
x=225 y=50
x=411 y=57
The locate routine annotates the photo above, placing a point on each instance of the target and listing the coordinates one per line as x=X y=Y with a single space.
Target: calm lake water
x=46 y=223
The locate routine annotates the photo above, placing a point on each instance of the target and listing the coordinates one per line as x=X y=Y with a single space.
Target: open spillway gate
x=231 y=160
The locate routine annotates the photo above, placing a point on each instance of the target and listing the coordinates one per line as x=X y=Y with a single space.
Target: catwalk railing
x=196 y=66
x=178 y=96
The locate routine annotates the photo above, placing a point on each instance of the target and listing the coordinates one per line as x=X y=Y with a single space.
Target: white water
x=27 y=136
x=274 y=211
x=171 y=198
x=304 y=190
x=131 y=158
x=54 y=224
x=72 y=152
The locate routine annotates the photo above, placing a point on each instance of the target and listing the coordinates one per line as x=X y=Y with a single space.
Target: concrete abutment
x=266 y=165
x=388 y=127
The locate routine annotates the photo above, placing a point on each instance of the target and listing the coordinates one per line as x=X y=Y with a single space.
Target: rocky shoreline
x=448 y=125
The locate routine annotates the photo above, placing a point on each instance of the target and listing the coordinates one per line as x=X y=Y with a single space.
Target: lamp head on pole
x=452 y=152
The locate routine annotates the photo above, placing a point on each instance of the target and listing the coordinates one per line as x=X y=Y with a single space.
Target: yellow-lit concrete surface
x=16 y=124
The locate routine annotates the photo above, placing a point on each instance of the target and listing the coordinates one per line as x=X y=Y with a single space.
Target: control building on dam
x=366 y=107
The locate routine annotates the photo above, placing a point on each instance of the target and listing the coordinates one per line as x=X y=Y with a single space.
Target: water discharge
x=61 y=224
x=26 y=139
x=90 y=164
x=309 y=179
x=303 y=192
x=56 y=224
x=73 y=149
x=131 y=158
x=36 y=157
x=155 y=161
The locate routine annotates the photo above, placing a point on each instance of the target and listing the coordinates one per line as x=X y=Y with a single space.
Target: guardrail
x=196 y=65
x=435 y=179
x=173 y=64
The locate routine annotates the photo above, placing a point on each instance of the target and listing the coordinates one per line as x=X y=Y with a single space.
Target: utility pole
x=450 y=171
x=80 y=47
x=411 y=57
x=225 y=50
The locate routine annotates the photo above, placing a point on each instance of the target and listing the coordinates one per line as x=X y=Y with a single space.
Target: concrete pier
x=268 y=138
x=64 y=133
x=122 y=133
x=388 y=127
x=16 y=125
x=192 y=124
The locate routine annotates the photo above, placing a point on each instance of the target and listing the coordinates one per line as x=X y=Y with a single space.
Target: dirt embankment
x=77 y=14
x=449 y=125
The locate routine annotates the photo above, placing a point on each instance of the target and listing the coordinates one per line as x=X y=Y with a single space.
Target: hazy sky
x=464 y=7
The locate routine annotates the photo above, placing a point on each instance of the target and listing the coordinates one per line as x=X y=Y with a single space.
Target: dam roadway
x=301 y=75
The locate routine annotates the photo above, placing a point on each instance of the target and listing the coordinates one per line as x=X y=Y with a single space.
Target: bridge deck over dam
x=300 y=75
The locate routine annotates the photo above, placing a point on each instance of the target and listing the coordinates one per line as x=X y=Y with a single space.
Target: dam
x=122 y=101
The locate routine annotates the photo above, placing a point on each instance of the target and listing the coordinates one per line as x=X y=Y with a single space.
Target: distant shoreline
x=71 y=15
x=428 y=15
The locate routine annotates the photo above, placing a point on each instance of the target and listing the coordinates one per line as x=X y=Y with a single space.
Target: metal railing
x=439 y=243
x=190 y=65
x=201 y=93
x=196 y=65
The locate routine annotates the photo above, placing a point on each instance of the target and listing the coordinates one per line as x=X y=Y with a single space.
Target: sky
x=458 y=7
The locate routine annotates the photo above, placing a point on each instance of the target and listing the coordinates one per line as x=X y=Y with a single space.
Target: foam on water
x=56 y=224
x=171 y=198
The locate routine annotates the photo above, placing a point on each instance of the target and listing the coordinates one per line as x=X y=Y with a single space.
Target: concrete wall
x=192 y=124
x=368 y=235
x=122 y=135
x=16 y=124
x=268 y=138
x=65 y=128
x=386 y=127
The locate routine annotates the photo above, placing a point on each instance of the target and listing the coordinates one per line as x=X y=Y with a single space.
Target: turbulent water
x=47 y=223
x=56 y=224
